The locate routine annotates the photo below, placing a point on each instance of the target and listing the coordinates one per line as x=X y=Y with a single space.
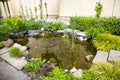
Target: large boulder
x=8 y=43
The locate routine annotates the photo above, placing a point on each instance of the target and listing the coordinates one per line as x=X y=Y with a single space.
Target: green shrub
x=17 y=24
x=106 y=42
x=1 y=21
x=58 y=26
x=81 y=23
x=111 y=25
x=33 y=24
x=34 y=65
x=2 y=45
x=88 y=75
x=59 y=74
x=5 y=29
x=107 y=71
x=48 y=25
x=54 y=25
x=117 y=27
x=93 y=32
x=15 y=52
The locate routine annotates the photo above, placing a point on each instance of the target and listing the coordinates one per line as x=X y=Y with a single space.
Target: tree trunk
x=41 y=10
x=8 y=8
x=113 y=7
x=4 y=8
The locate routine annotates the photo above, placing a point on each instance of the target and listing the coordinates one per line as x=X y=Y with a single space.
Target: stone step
x=114 y=55
x=101 y=56
x=3 y=50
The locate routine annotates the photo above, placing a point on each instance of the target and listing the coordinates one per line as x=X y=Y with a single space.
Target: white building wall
x=65 y=7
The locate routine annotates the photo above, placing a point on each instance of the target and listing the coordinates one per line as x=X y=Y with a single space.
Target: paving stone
x=3 y=50
x=114 y=55
x=101 y=56
x=1 y=59
x=18 y=63
x=7 y=72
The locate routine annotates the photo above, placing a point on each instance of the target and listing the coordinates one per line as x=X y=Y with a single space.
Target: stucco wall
x=87 y=8
x=64 y=7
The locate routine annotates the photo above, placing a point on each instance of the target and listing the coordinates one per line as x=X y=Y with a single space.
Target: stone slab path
x=18 y=63
x=114 y=55
x=7 y=72
x=4 y=50
x=101 y=56
x=10 y=68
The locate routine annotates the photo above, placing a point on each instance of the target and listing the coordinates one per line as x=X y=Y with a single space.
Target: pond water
x=55 y=48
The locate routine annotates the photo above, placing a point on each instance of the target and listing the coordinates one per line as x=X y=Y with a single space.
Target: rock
x=25 y=53
x=8 y=43
x=17 y=45
x=82 y=34
x=33 y=34
x=114 y=55
x=80 y=38
x=89 y=58
x=42 y=29
x=23 y=48
x=46 y=69
x=78 y=73
x=16 y=35
x=68 y=30
x=101 y=56
x=25 y=32
x=59 y=32
x=66 y=70
x=73 y=70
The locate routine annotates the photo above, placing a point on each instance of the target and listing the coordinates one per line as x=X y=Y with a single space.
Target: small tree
x=98 y=9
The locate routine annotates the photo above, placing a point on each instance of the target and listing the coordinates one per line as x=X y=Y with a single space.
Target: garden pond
x=58 y=49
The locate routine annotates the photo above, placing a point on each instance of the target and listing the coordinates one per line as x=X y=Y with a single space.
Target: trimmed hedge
x=112 y=25
x=106 y=42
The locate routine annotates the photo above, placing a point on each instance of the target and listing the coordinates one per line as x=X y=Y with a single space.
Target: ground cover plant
x=94 y=32
x=59 y=74
x=34 y=65
x=106 y=71
x=106 y=42
x=88 y=75
x=2 y=45
x=15 y=52
x=32 y=24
